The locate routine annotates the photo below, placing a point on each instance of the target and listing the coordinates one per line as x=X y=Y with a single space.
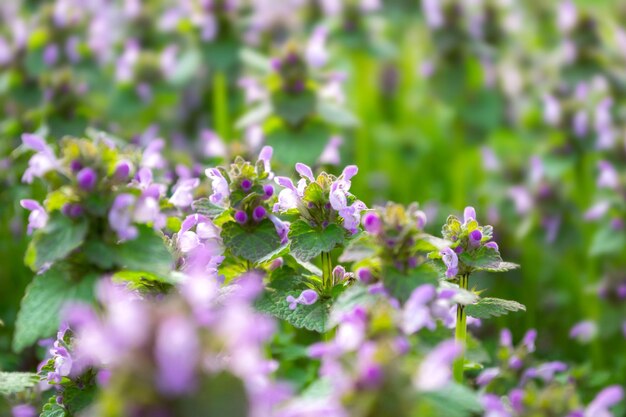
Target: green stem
x=327 y=272
x=220 y=104
x=461 y=332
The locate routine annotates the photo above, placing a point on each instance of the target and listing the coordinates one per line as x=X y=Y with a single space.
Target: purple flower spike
x=469 y=214
x=607 y=398
x=87 y=178
x=475 y=236
x=246 y=184
x=38 y=217
x=372 y=223
x=259 y=213
x=451 y=261
x=241 y=217
x=268 y=191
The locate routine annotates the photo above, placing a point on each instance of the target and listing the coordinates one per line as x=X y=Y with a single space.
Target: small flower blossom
x=87 y=178
x=606 y=399
x=435 y=370
x=584 y=332
x=306 y=297
x=38 y=218
x=183 y=192
x=219 y=185
x=42 y=161
x=451 y=261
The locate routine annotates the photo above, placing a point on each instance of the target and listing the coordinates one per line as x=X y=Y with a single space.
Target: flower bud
x=372 y=223
x=87 y=178
x=241 y=217
x=259 y=213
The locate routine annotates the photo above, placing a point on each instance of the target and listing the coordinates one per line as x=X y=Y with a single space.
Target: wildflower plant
x=471 y=250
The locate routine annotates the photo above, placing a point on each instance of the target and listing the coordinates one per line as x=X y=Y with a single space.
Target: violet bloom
x=608 y=177
x=306 y=297
x=469 y=214
x=364 y=275
x=282 y=228
x=493 y=406
x=38 y=218
x=330 y=154
x=551 y=110
x=219 y=185
x=87 y=178
x=122 y=170
x=265 y=156
x=259 y=213
x=584 y=332
x=177 y=352
x=606 y=399
x=475 y=237
x=42 y=161
x=567 y=16
x=372 y=223
x=24 y=410
x=183 y=192
x=291 y=196
x=435 y=370
x=451 y=261
x=213 y=146
x=416 y=313
x=121 y=216
x=241 y=217
x=487 y=375
x=433 y=13
x=316 y=53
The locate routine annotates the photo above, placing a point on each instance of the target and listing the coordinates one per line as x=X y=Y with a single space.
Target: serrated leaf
x=41 y=306
x=501 y=267
x=55 y=241
x=426 y=243
x=147 y=252
x=206 y=207
x=492 y=307
x=308 y=242
x=355 y=295
x=76 y=399
x=400 y=285
x=15 y=382
x=253 y=243
x=311 y=317
x=481 y=258
x=52 y=410
x=453 y=400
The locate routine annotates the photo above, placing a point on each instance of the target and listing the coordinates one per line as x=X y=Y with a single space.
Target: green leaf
x=302 y=145
x=15 y=382
x=77 y=399
x=486 y=259
x=336 y=115
x=147 y=252
x=205 y=207
x=607 y=241
x=252 y=59
x=251 y=243
x=55 y=241
x=400 y=285
x=308 y=242
x=41 y=306
x=501 y=267
x=359 y=248
x=492 y=307
x=218 y=395
x=454 y=400
x=99 y=253
x=53 y=410
x=254 y=116
x=313 y=317
x=294 y=108
x=355 y=295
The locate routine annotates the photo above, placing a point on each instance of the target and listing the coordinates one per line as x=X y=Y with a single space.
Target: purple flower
x=268 y=191
x=451 y=261
x=87 y=178
x=364 y=275
x=122 y=170
x=241 y=217
x=221 y=192
x=493 y=406
x=23 y=410
x=259 y=213
x=183 y=192
x=265 y=156
x=306 y=297
x=290 y=196
x=487 y=375
x=529 y=340
x=551 y=110
x=72 y=210
x=433 y=13
x=121 y=215
x=545 y=371
x=246 y=184
x=372 y=223
x=584 y=332
x=212 y=145
x=42 y=161
x=608 y=178
x=38 y=218
x=492 y=245
x=469 y=214
x=416 y=313
x=282 y=228
x=421 y=219
x=330 y=154
x=606 y=399
x=475 y=237
x=177 y=352
x=316 y=54
x=435 y=370
x=305 y=171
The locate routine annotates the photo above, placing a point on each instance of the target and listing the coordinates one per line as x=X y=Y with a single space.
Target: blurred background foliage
x=447 y=116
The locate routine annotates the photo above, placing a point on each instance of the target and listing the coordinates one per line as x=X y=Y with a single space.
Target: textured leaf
x=607 y=241
x=45 y=296
x=53 y=410
x=492 y=307
x=77 y=399
x=147 y=252
x=218 y=395
x=308 y=242
x=501 y=267
x=359 y=248
x=14 y=382
x=294 y=108
x=253 y=243
x=482 y=258
x=454 y=400
x=255 y=116
x=60 y=237
x=303 y=145
x=204 y=206
x=400 y=285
